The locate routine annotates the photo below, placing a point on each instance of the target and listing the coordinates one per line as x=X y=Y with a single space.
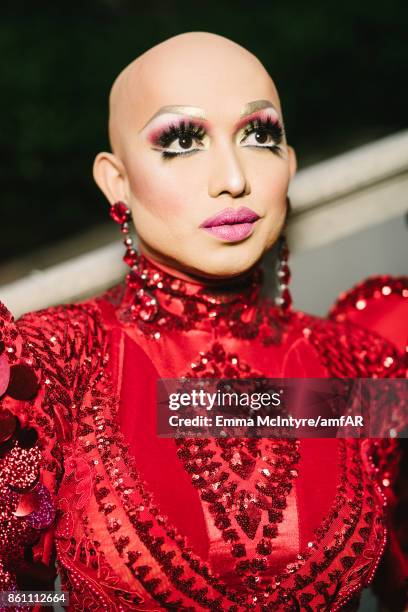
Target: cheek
x=269 y=188
x=271 y=182
x=158 y=188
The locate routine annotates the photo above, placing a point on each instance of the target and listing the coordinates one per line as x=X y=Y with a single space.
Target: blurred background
x=340 y=70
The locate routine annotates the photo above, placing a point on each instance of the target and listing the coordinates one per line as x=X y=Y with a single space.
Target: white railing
x=350 y=192
x=330 y=200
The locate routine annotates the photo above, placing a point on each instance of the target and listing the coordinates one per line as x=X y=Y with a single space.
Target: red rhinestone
x=23 y=383
x=284 y=274
x=287 y=299
x=147 y=307
x=119 y=212
x=175 y=285
x=133 y=281
x=264 y=547
x=270 y=531
x=130 y=257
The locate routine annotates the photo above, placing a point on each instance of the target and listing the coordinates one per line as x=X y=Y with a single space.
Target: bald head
x=193 y=68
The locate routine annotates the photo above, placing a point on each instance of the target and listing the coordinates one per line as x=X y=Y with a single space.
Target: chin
x=229 y=264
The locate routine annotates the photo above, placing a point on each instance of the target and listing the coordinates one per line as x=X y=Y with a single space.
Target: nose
x=227 y=175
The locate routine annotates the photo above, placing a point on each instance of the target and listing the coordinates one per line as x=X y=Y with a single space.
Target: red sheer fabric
x=171 y=485
x=164 y=472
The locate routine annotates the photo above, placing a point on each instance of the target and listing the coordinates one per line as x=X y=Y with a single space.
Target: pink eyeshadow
x=261 y=115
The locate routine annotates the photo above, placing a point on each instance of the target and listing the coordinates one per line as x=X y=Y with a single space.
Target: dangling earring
x=284 y=298
x=121 y=214
x=145 y=305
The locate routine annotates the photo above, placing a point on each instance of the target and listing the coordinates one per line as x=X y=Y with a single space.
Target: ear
x=292 y=161
x=110 y=176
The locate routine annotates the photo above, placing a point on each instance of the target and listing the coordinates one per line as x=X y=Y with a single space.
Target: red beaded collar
x=157 y=299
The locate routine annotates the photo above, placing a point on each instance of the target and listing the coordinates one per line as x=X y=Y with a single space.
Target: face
x=204 y=164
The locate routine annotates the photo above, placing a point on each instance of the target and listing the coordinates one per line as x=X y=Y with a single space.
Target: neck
x=157 y=297
x=172 y=268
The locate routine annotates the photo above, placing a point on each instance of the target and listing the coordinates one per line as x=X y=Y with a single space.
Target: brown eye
x=182 y=139
x=261 y=136
x=265 y=134
x=185 y=142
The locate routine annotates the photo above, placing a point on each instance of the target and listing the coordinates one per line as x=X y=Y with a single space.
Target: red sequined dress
x=138 y=522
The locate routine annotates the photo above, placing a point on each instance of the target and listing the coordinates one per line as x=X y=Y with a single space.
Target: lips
x=231 y=216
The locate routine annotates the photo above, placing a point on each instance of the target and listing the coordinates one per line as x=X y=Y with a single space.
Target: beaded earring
x=145 y=305
x=121 y=214
x=283 y=298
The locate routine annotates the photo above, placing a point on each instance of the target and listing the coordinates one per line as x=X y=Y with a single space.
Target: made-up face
x=200 y=156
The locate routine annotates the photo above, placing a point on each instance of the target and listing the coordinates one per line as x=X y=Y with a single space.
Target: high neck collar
x=159 y=298
x=222 y=285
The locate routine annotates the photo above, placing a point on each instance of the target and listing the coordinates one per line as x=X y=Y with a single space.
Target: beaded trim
x=374 y=288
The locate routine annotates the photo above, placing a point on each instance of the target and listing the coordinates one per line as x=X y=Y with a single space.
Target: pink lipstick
x=231 y=224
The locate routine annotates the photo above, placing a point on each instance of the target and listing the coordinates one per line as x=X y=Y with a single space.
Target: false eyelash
x=171 y=154
x=265 y=125
x=168 y=135
x=269 y=127
x=197 y=132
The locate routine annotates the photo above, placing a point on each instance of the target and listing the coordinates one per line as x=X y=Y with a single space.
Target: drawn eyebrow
x=179 y=109
x=251 y=109
x=257 y=105
x=199 y=113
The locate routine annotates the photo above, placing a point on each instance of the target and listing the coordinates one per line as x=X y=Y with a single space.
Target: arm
x=380 y=304
x=30 y=465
